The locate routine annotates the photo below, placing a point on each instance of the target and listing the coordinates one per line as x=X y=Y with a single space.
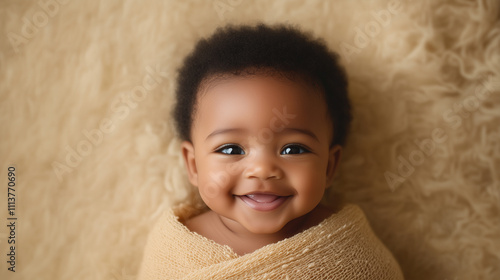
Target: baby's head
x=262 y=112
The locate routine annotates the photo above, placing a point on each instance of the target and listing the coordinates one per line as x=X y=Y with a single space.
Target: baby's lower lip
x=269 y=203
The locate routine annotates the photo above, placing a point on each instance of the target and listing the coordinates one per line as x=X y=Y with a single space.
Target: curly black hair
x=284 y=49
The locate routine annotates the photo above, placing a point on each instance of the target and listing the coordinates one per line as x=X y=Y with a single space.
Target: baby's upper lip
x=262 y=193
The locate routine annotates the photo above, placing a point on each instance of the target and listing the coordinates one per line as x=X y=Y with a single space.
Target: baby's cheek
x=209 y=192
x=216 y=183
x=311 y=182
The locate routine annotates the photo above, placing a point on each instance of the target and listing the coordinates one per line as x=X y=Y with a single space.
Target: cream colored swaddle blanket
x=343 y=246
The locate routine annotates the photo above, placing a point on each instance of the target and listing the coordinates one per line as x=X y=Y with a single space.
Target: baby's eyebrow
x=224 y=130
x=285 y=130
x=302 y=131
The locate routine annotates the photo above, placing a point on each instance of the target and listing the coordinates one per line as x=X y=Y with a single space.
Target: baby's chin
x=263 y=228
x=264 y=225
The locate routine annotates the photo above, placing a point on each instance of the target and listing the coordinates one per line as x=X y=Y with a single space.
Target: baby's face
x=260 y=152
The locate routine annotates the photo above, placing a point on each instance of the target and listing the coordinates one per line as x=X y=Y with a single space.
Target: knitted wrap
x=343 y=246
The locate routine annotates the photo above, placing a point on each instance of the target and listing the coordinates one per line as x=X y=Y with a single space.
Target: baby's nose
x=263 y=166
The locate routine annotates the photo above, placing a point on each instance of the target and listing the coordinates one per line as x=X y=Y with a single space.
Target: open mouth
x=263 y=202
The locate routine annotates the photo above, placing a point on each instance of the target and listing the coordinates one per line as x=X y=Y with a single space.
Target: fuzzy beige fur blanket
x=88 y=191
x=343 y=246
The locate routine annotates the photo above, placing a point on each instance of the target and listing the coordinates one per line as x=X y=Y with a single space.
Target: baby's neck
x=228 y=232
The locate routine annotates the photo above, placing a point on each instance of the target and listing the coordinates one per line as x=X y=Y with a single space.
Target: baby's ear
x=189 y=160
x=333 y=162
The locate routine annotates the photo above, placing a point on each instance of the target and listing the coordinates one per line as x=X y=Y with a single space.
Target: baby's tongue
x=264 y=198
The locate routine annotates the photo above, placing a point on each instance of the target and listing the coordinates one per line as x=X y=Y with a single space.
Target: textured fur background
x=85 y=93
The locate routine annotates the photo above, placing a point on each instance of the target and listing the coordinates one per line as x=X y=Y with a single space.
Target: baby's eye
x=294 y=149
x=230 y=150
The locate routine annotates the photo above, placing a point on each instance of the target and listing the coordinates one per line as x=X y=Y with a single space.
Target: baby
x=263 y=113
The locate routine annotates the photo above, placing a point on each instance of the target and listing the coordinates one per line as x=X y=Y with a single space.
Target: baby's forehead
x=254 y=95
x=256 y=103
